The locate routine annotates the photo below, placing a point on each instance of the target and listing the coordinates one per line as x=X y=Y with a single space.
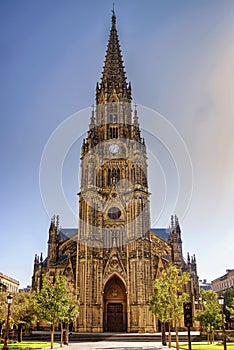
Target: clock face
x=114 y=148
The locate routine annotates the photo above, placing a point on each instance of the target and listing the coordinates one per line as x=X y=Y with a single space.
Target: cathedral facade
x=115 y=256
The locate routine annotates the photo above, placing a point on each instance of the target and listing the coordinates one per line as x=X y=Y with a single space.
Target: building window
x=114 y=132
x=114 y=213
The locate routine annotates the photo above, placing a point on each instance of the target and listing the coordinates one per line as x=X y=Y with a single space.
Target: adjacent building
x=203 y=284
x=8 y=283
x=26 y=289
x=224 y=282
x=114 y=256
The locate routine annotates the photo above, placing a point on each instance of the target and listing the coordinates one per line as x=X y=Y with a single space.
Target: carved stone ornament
x=114 y=292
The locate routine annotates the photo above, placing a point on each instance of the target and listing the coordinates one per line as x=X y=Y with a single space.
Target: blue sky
x=179 y=57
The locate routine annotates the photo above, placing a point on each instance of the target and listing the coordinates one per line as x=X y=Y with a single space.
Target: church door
x=114 y=317
x=115 y=306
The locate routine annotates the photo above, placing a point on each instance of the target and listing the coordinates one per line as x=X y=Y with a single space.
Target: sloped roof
x=66 y=233
x=161 y=232
x=166 y=257
x=62 y=257
x=45 y=262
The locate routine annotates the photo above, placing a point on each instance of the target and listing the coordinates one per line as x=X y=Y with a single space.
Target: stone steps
x=115 y=337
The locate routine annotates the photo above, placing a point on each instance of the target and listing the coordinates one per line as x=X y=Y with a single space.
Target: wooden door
x=114 y=317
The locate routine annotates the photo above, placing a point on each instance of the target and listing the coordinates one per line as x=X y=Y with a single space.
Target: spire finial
x=135 y=119
x=113 y=14
x=172 y=222
x=194 y=259
x=57 y=221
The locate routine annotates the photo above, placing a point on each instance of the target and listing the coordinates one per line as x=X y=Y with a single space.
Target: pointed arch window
x=113 y=112
x=118 y=175
x=109 y=177
x=133 y=175
x=113 y=107
x=114 y=118
x=114 y=132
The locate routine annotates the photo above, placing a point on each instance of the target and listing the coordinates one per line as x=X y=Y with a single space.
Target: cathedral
x=113 y=258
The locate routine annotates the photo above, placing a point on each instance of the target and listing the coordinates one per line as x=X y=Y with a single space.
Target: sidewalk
x=100 y=345
x=122 y=345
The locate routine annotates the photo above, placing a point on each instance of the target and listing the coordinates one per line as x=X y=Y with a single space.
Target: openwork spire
x=113 y=81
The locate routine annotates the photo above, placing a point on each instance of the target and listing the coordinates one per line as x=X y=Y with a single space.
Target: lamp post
x=221 y=302
x=9 y=301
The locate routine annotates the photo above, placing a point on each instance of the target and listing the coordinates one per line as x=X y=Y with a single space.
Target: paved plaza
x=101 y=345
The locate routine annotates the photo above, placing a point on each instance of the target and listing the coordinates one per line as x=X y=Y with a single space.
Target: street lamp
x=9 y=301
x=221 y=302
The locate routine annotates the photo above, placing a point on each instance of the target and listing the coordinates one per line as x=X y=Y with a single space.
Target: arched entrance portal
x=115 y=306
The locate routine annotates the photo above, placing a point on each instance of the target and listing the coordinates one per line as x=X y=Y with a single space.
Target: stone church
x=115 y=256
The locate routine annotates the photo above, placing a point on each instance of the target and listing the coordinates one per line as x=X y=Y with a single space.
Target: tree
x=54 y=302
x=230 y=310
x=158 y=302
x=23 y=311
x=166 y=303
x=228 y=304
x=70 y=314
x=3 y=287
x=210 y=316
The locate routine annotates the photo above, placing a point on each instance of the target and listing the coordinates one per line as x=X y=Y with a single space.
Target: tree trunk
x=20 y=332
x=1 y=324
x=177 y=337
x=155 y=328
x=65 y=337
x=169 y=334
x=61 y=335
x=52 y=335
x=164 y=337
x=212 y=337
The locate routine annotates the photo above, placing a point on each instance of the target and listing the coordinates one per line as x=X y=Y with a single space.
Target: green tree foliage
x=3 y=287
x=229 y=304
x=210 y=316
x=166 y=303
x=230 y=310
x=23 y=311
x=55 y=302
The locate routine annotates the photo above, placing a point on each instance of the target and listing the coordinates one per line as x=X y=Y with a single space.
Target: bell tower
x=114 y=258
x=114 y=247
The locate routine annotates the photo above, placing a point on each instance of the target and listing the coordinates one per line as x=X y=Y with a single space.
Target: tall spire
x=113 y=81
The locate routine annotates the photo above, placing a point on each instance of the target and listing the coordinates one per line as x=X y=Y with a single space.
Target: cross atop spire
x=113 y=12
x=113 y=79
